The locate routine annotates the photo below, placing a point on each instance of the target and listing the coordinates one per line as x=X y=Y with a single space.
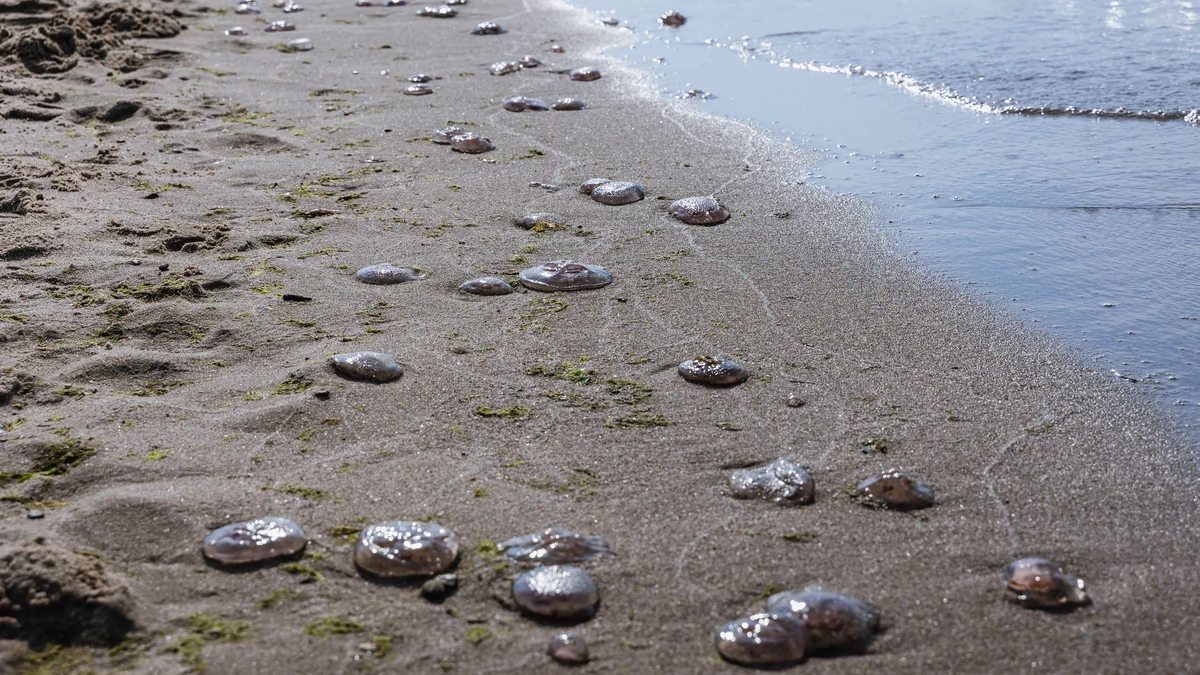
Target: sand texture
x=146 y=404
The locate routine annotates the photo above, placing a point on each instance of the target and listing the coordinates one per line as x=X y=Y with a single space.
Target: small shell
x=299 y=45
x=587 y=186
x=405 y=549
x=471 y=144
x=254 y=541
x=556 y=591
x=712 y=370
x=568 y=648
x=699 y=210
x=585 y=74
x=444 y=135
x=385 y=274
x=554 y=546
x=565 y=275
x=762 y=640
x=278 y=26
x=780 y=481
x=485 y=286
x=236 y=31
x=442 y=12
x=488 y=28
x=418 y=90
x=616 y=193
x=1037 y=582
x=372 y=366
x=528 y=61
x=833 y=622
x=895 y=490
x=504 y=67
x=439 y=587
x=568 y=104
x=673 y=19
x=540 y=222
x=522 y=103
x=421 y=78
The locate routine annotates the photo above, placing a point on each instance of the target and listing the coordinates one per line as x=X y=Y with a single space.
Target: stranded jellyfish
x=442 y=12
x=504 y=67
x=555 y=546
x=699 y=210
x=528 y=61
x=485 y=286
x=523 y=103
x=557 y=49
x=832 y=621
x=1040 y=583
x=585 y=74
x=762 y=640
x=712 y=370
x=615 y=193
x=565 y=275
x=371 y=366
x=540 y=222
x=568 y=648
x=556 y=591
x=405 y=549
x=444 y=135
x=254 y=541
x=472 y=144
x=587 y=186
x=385 y=274
x=421 y=78
x=236 y=31
x=299 y=45
x=488 y=28
x=673 y=19
x=568 y=104
x=418 y=90
x=895 y=490
x=277 y=26
x=780 y=481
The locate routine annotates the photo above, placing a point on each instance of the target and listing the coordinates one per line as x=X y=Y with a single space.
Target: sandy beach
x=161 y=198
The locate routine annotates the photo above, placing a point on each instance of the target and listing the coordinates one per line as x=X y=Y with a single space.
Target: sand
x=236 y=173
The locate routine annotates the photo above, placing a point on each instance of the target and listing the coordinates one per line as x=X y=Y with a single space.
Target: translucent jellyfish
x=557 y=49
x=279 y=26
x=442 y=12
x=780 y=481
x=568 y=104
x=587 y=186
x=556 y=591
x=299 y=45
x=488 y=28
x=1036 y=582
x=673 y=19
x=444 y=135
x=421 y=78
x=565 y=275
x=236 y=31
x=522 y=103
x=616 y=193
x=699 y=210
x=385 y=274
x=454 y=3
x=471 y=144
x=834 y=622
x=794 y=400
x=254 y=541
x=372 y=366
x=504 y=67
x=609 y=21
x=762 y=640
x=247 y=8
x=540 y=222
x=418 y=90
x=585 y=74
x=713 y=370
x=528 y=61
x=555 y=546
x=486 y=286
x=895 y=490
x=405 y=549
x=289 y=7
x=568 y=648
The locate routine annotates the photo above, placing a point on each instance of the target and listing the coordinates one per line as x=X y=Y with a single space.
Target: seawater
x=1044 y=153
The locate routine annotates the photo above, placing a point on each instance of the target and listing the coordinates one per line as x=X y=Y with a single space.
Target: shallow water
x=1044 y=153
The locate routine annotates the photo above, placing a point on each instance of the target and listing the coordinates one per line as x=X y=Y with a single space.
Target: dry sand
x=198 y=386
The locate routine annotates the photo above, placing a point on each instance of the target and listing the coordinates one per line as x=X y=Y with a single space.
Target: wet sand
x=208 y=397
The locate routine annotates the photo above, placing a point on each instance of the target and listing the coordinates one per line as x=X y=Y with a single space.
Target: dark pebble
x=292 y=297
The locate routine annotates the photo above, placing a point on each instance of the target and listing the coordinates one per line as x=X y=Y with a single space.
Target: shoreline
x=1028 y=453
